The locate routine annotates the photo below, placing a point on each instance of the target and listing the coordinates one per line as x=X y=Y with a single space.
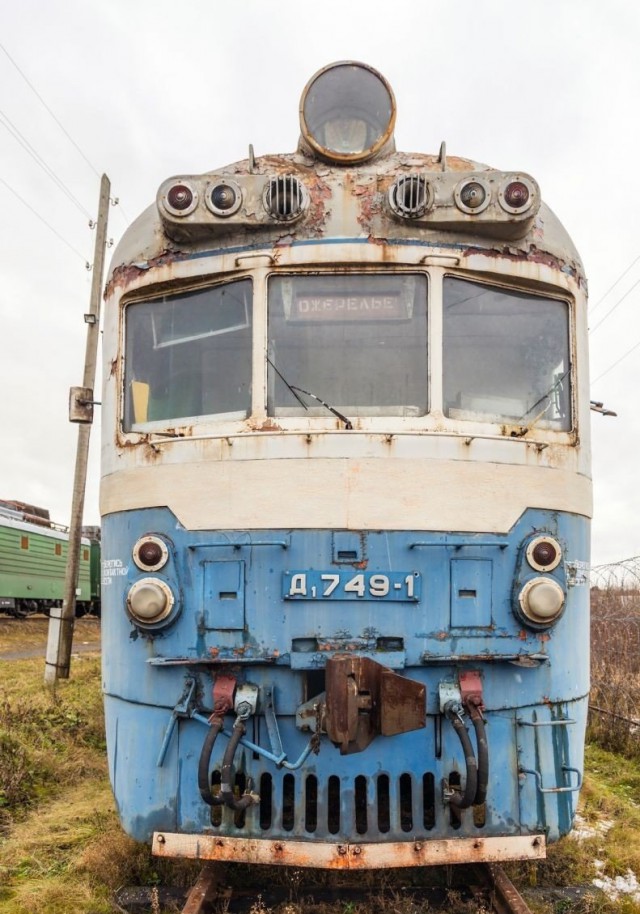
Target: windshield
x=357 y=343
x=189 y=355
x=506 y=356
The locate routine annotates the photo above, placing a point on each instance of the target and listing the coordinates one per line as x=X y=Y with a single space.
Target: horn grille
x=410 y=196
x=284 y=198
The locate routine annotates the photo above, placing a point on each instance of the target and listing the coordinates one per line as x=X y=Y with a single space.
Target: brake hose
x=483 y=754
x=467 y=799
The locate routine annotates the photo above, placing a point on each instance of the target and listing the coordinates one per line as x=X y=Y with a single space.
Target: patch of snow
x=583 y=830
x=619 y=885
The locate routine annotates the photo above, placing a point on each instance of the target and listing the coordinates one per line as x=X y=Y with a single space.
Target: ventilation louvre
x=284 y=198
x=410 y=196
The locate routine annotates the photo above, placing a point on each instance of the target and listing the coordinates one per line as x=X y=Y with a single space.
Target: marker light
x=516 y=195
x=544 y=553
x=149 y=601
x=541 y=601
x=472 y=196
x=150 y=553
x=224 y=198
x=180 y=199
x=347 y=112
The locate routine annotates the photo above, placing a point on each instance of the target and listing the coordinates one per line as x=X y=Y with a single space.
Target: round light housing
x=544 y=553
x=150 y=553
x=472 y=195
x=180 y=198
x=516 y=194
x=224 y=198
x=541 y=601
x=347 y=112
x=150 y=601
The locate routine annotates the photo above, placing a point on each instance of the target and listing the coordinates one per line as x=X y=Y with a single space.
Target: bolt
x=342 y=850
x=417 y=847
x=357 y=850
x=161 y=839
x=278 y=847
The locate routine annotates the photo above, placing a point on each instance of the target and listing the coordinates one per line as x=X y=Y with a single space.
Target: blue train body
x=346 y=503
x=233 y=615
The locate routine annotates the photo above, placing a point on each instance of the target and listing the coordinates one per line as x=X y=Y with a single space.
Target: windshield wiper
x=332 y=409
x=296 y=390
x=547 y=399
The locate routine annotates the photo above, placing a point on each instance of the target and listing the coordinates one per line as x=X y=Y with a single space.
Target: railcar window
x=189 y=355
x=359 y=343
x=506 y=356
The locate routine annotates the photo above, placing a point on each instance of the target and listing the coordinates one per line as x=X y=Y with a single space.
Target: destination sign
x=350 y=307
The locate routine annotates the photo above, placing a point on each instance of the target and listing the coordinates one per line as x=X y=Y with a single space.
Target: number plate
x=404 y=586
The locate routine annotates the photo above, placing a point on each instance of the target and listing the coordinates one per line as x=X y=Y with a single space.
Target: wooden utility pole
x=81 y=400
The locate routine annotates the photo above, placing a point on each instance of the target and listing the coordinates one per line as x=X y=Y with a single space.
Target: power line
x=611 y=310
x=617 y=362
x=58 y=122
x=44 y=221
x=612 y=287
x=35 y=155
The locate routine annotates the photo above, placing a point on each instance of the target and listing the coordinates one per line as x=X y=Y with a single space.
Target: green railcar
x=33 y=558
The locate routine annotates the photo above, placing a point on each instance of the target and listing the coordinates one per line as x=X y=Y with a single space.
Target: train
x=346 y=500
x=33 y=558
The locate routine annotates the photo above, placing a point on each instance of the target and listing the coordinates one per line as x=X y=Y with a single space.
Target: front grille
x=301 y=805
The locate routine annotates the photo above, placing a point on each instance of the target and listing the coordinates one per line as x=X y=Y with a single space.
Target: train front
x=346 y=505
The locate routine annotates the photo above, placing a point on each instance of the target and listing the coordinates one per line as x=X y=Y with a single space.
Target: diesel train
x=345 y=505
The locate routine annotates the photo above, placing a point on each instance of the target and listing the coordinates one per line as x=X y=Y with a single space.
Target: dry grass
x=31 y=633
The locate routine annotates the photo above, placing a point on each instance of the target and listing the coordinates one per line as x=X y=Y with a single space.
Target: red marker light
x=180 y=197
x=516 y=194
x=150 y=553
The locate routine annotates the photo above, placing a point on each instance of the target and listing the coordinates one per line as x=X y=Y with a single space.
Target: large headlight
x=347 y=112
x=541 y=601
x=150 y=601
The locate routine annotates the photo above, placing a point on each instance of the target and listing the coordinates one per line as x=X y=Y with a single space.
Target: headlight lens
x=347 y=112
x=150 y=600
x=541 y=600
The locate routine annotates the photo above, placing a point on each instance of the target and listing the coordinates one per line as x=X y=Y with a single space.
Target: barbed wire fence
x=614 y=704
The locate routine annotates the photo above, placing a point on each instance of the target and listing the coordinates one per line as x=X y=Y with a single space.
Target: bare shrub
x=614 y=721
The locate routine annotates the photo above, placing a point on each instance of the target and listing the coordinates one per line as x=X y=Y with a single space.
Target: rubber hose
x=468 y=797
x=226 y=788
x=204 y=784
x=483 y=756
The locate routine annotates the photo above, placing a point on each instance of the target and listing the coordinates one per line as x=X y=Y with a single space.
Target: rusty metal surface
x=365 y=698
x=349 y=856
x=205 y=889
x=506 y=898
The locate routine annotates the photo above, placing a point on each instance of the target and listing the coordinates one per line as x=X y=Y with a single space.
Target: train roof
x=347 y=198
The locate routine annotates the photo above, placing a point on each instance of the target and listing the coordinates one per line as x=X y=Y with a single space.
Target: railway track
x=481 y=888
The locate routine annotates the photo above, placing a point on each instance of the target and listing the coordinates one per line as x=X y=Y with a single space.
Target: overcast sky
x=145 y=89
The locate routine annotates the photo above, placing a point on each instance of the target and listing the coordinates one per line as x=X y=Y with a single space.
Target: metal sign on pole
x=81 y=401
